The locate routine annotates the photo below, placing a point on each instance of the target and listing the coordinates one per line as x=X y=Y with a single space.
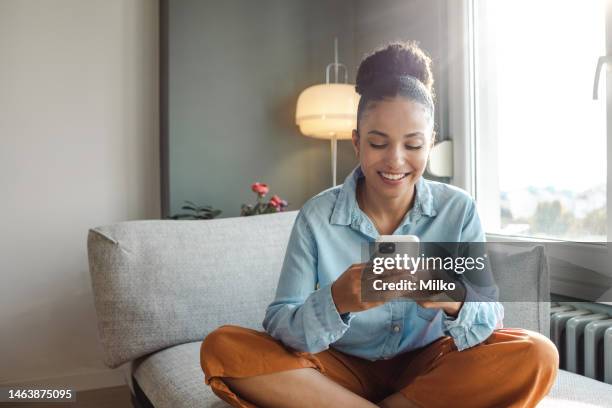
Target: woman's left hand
x=450 y=308
x=450 y=302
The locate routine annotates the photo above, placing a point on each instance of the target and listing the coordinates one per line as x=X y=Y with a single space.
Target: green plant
x=197 y=212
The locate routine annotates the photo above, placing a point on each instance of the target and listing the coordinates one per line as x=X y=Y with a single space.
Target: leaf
x=270 y=210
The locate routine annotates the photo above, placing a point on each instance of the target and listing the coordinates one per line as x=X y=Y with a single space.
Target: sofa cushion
x=157 y=284
x=521 y=273
x=173 y=378
x=576 y=391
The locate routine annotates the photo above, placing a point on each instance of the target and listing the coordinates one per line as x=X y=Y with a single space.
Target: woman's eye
x=414 y=147
x=377 y=146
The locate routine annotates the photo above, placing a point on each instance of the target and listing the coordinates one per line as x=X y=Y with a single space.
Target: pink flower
x=260 y=188
x=278 y=203
x=275 y=204
x=275 y=201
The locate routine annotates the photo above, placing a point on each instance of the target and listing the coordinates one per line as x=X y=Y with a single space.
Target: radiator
x=582 y=333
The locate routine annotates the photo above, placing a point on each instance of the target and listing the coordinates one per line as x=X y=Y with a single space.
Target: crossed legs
x=248 y=368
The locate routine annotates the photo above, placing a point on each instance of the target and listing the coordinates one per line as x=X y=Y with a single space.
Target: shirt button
x=396 y=328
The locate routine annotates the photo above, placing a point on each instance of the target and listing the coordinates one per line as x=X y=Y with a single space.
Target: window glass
x=540 y=135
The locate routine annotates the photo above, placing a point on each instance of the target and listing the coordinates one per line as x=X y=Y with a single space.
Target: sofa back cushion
x=521 y=273
x=161 y=283
x=157 y=284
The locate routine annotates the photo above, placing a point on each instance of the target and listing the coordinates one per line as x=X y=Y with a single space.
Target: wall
x=425 y=21
x=78 y=148
x=236 y=69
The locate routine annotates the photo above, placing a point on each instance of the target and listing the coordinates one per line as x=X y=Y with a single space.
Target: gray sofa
x=161 y=286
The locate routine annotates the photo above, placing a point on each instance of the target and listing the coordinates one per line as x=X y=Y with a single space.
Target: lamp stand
x=334 y=137
x=334 y=154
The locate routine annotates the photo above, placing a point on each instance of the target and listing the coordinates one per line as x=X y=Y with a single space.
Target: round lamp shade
x=326 y=110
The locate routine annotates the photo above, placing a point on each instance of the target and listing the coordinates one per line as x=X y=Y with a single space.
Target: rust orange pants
x=512 y=368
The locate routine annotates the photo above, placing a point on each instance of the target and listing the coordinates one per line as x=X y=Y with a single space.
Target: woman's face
x=393 y=144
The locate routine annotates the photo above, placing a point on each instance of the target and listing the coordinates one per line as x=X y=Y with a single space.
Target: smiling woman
x=394 y=134
x=324 y=345
x=393 y=143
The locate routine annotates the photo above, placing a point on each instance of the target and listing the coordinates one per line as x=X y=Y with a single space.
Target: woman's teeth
x=391 y=176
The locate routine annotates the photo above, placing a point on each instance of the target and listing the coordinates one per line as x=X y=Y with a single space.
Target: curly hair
x=391 y=71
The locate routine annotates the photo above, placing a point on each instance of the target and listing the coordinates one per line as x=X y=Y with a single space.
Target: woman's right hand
x=346 y=291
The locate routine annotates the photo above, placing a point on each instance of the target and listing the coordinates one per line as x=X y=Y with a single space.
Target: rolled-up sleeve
x=476 y=320
x=480 y=313
x=301 y=317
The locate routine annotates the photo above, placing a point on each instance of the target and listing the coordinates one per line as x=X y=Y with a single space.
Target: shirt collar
x=346 y=210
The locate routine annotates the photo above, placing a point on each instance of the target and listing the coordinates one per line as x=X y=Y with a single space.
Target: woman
x=324 y=346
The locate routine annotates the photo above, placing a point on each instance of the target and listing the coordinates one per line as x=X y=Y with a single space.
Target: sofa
x=161 y=286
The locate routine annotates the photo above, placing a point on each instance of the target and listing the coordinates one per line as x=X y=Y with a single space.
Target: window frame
x=568 y=261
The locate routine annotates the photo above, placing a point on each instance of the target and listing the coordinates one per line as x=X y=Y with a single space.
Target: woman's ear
x=355 y=140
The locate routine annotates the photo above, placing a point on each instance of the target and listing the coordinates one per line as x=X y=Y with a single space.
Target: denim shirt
x=327 y=238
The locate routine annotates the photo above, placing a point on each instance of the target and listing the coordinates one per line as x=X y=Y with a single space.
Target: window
x=530 y=141
x=540 y=137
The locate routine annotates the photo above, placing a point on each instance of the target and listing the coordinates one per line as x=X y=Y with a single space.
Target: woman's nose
x=395 y=156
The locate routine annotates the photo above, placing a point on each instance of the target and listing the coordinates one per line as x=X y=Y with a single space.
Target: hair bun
x=382 y=70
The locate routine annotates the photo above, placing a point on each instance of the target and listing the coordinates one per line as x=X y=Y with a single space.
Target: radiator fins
x=584 y=341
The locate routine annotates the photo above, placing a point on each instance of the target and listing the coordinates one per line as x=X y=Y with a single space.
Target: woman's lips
x=392 y=179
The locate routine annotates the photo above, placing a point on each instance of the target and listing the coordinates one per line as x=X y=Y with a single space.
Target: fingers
x=370 y=305
x=427 y=304
x=360 y=265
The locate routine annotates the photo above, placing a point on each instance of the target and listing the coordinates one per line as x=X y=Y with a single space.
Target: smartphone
x=390 y=261
x=388 y=246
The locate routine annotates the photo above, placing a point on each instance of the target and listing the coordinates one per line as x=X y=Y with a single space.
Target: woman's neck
x=386 y=213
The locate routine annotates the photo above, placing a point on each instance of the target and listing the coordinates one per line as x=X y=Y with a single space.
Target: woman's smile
x=393 y=179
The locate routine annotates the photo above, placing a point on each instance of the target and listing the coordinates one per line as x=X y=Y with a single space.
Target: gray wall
x=425 y=21
x=236 y=69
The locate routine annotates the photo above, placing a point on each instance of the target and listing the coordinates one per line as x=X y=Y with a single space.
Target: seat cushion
x=576 y=391
x=173 y=378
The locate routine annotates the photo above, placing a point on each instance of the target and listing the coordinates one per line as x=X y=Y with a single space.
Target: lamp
x=329 y=110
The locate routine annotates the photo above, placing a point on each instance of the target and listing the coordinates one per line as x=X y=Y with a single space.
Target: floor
x=114 y=397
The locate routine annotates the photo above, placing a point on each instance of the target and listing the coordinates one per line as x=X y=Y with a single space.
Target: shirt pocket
x=426 y=314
